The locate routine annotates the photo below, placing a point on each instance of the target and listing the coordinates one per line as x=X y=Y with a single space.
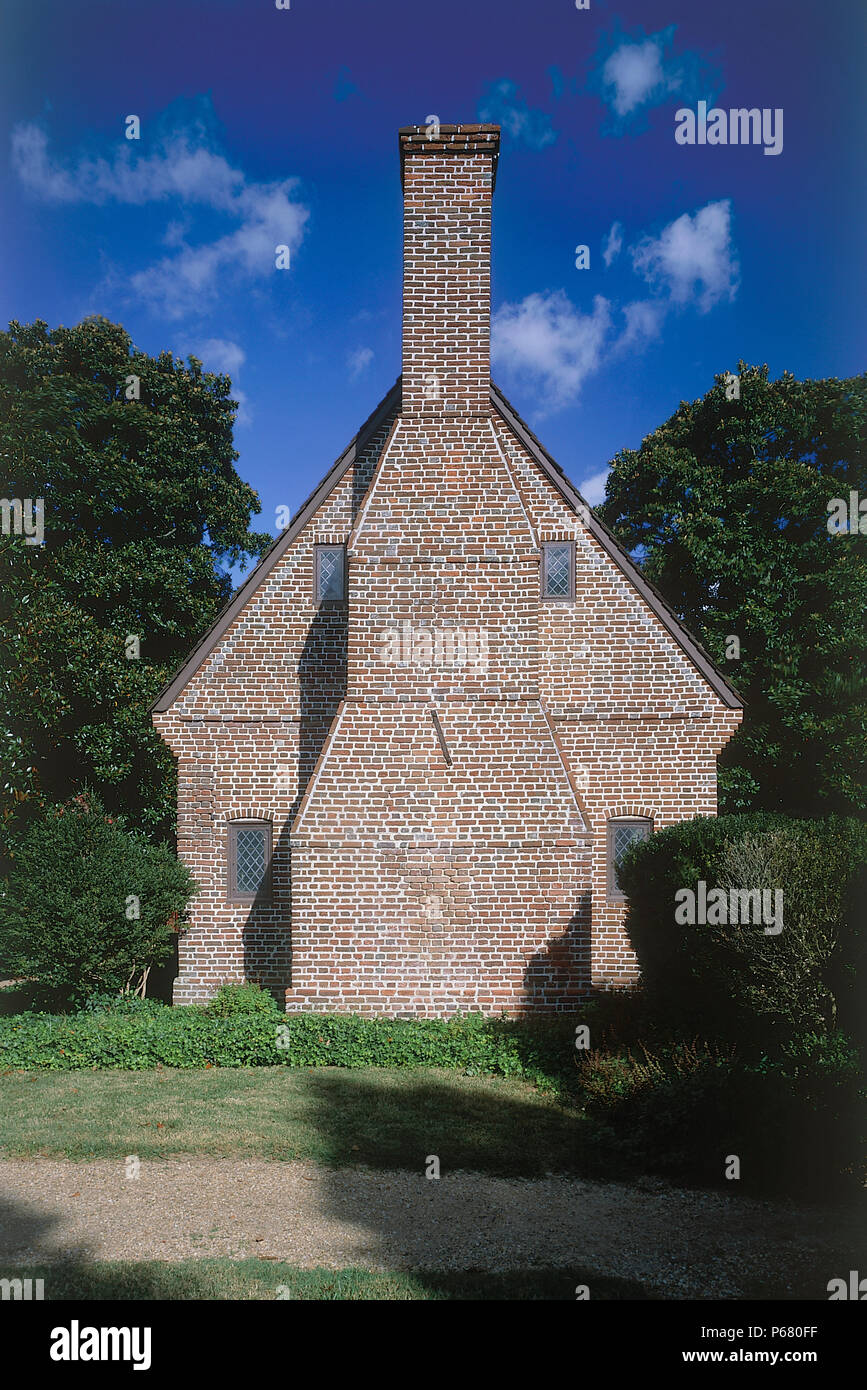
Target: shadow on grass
x=380 y=1122
x=394 y=1120
x=484 y=1237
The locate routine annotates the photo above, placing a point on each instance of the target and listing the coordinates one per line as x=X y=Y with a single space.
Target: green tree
x=144 y=516
x=726 y=507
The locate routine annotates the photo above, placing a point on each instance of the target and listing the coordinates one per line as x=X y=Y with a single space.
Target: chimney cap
x=449 y=139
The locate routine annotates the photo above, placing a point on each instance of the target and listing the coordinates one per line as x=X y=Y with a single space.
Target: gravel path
x=683 y=1244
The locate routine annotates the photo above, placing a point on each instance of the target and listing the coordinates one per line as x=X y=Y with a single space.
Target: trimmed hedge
x=153 y=1035
x=734 y=982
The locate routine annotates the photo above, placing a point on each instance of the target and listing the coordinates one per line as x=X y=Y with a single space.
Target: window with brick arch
x=622 y=835
x=249 y=861
x=558 y=570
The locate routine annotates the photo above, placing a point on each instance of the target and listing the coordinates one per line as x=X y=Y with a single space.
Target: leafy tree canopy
x=144 y=514
x=726 y=506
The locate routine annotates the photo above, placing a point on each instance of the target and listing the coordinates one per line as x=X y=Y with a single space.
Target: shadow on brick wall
x=558 y=976
x=322 y=680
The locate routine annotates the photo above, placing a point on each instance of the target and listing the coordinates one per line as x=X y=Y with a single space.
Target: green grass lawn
x=370 y=1116
x=216 y=1279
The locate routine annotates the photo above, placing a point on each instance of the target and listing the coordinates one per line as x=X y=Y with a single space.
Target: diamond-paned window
x=249 y=858
x=250 y=861
x=558 y=570
x=622 y=835
x=328 y=584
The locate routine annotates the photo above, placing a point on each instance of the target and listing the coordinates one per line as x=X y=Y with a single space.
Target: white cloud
x=633 y=74
x=358 y=361
x=178 y=169
x=644 y=320
x=592 y=489
x=638 y=71
x=185 y=175
x=546 y=338
x=693 y=257
x=612 y=244
x=221 y=355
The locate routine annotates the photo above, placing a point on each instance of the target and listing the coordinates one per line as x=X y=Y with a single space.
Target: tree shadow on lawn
x=378 y=1121
x=684 y=1128
x=472 y=1233
x=388 y=1119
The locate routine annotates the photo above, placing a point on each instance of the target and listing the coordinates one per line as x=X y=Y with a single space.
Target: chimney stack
x=448 y=174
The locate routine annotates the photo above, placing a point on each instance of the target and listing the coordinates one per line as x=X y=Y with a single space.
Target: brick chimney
x=448 y=174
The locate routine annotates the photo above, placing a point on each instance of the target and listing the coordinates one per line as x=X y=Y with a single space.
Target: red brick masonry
x=429 y=865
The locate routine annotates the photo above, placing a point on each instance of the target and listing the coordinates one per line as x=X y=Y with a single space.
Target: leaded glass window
x=329 y=574
x=622 y=835
x=558 y=570
x=249 y=860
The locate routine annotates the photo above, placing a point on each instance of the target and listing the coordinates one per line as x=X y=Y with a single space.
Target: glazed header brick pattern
x=413 y=876
x=443 y=541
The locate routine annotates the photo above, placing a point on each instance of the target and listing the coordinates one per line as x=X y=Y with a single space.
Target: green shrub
x=232 y=999
x=197 y=1036
x=735 y=981
x=796 y=1121
x=68 y=912
x=124 y=1004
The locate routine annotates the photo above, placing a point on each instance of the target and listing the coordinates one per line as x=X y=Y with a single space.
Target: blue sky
x=262 y=126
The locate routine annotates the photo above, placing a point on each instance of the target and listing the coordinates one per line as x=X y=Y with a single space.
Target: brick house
x=414 y=744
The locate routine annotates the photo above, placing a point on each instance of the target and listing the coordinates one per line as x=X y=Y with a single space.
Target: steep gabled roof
x=553 y=472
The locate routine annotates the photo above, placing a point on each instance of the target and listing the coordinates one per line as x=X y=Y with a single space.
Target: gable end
x=555 y=475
